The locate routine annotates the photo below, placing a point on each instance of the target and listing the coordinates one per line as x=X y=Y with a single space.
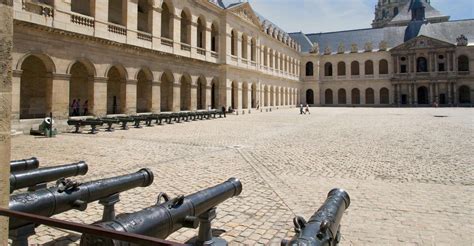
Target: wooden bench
x=93 y=123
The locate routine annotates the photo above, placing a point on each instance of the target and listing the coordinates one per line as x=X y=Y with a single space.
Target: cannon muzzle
x=24 y=165
x=71 y=195
x=34 y=177
x=163 y=219
x=322 y=229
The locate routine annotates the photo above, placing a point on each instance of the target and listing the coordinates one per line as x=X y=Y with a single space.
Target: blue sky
x=313 y=16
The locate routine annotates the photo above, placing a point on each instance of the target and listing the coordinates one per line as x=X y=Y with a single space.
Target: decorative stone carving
x=314 y=49
x=368 y=47
x=462 y=40
x=341 y=48
x=354 y=48
x=327 y=50
x=383 y=45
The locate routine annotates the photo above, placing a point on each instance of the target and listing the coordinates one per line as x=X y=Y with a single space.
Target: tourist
x=78 y=107
x=86 y=107
x=302 y=109
x=73 y=110
x=307 y=109
x=223 y=111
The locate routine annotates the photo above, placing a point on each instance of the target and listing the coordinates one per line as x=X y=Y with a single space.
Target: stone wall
x=6 y=38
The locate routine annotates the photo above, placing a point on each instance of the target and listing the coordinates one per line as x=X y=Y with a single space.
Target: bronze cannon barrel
x=161 y=220
x=323 y=227
x=51 y=201
x=24 y=165
x=33 y=177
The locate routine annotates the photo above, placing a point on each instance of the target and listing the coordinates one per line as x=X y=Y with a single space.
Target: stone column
x=455 y=94
x=229 y=96
x=410 y=101
x=239 y=45
x=209 y=95
x=431 y=92
x=176 y=31
x=131 y=97
x=239 y=96
x=437 y=92
x=454 y=65
x=176 y=96
x=156 y=27
x=6 y=46
x=194 y=38
x=16 y=85
x=99 y=105
x=450 y=95
x=60 y=96
x=156 y=97
x=249 y=97
x=132 y=20
x=102 y=18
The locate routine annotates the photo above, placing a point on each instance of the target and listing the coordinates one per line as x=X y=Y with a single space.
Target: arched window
x=341 y=96
x=369 y=96
x=341 y=69
x=309 y=69
x=143 y=22
x=328 y=96
x=328 y=69
x=244 y=46
x=201 y=33
x=355 y=96
x=253 y=49
x=82 y=7
x=233 y=43
x=355 y=70
x=185 y=28
x=384 y=96
x=463 y=63
x=369 y=67
x=421 y=65
x=214 y=38
x=117 y=12
x=383 y=67
x=166 y=21
x=309 y=97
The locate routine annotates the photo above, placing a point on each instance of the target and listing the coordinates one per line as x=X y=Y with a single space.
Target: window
x=328 y=69
x=383 y=67
x=309 y=69
x=463 y=64
x=341 y=69
x=369 y=67
x=355 y=70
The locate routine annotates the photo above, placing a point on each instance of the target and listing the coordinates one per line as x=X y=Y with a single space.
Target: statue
x=368 y=47
x=383 y=45
x=314 y=49
x=462 y=40
x=327 y=50
x=354 y=48
x=341 y=49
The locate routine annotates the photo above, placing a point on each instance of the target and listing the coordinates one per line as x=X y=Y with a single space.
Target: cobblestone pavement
x=409 y=173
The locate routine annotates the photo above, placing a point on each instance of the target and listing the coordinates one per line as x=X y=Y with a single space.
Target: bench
x=93 y=123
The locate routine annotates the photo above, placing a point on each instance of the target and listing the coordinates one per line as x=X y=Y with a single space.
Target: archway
x=185 y=103
x=166 y=91
x=214 y=94
x=265 y=96
x=384 y=96
x=235 y=95
x=81 y=89
x=422 y=94
x=245 y=95
x=144 y=89
x=116 y=86
x=369 y=96
x=355 y=96
x=272 y=95
x=254 y=96
x=328 y=97
x=309 y=97
x=201 y=93
x=35 y=89
x=341 y=96
x=464 y=94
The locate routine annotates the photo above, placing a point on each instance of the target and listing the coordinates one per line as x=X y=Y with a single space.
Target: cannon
x=24 y=165
x=37 y=178
x=69 y=195
x=323 y=228
x=163 y=219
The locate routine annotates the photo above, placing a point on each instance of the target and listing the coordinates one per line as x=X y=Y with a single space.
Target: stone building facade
x=150 y=56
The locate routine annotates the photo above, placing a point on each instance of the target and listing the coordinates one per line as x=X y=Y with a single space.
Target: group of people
x=76 y=107
x=304 y=110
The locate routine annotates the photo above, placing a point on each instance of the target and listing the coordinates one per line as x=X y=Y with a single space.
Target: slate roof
x=225 y=4
x=394 y=35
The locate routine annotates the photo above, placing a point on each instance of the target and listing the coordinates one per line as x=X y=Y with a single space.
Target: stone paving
x=408 y=171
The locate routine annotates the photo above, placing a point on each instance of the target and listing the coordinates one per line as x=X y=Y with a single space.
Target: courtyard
x=409 y=171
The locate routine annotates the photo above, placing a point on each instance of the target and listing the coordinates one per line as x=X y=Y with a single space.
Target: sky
x=314 y=16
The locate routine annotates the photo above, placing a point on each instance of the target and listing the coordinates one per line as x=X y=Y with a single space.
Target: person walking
x=307 y=109
x=223 y=111
x=73 y=108
x=86 y=107
x=302 y=109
